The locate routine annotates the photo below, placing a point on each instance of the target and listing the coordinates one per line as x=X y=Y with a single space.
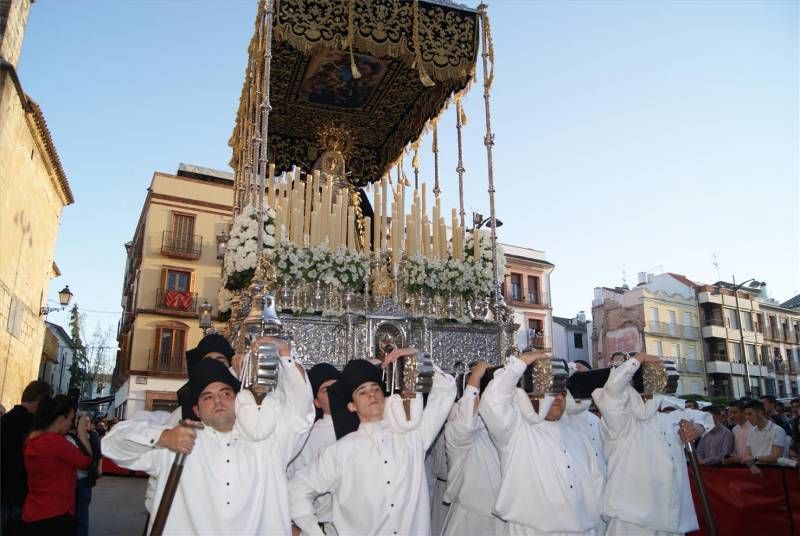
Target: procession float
x=330 y=236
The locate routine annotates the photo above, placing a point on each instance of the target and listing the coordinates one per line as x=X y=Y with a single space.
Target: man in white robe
x=376 y=474
x=473 y=477
x=234 y=477
x=577 y=414
x=321 y=376
x=211 y=346
x=436 y=469
x=647 y=486
x=551 y=481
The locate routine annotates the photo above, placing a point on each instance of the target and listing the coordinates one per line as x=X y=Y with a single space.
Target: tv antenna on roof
x=715 y=262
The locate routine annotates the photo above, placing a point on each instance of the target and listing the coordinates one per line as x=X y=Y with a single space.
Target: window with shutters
x=179 y=240
x=170 y=346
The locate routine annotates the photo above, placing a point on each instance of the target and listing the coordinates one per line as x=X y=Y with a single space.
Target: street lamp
x=205 y=318
x=222 y=244
x=479 y=221
x=754 y=284
x=64 y=297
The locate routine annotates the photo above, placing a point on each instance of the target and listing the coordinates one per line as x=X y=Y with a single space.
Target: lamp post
x=64 y=297
x=479 y=221
x=754 y=284
x=205 y=322
x=222 y=244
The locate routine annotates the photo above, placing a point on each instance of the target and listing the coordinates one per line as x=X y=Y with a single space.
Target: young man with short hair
x=15 y=426
x=740 y=431
x=718 y=443
x=766 y=441
x=234 y=477
x=375 y=474
x=770 y=404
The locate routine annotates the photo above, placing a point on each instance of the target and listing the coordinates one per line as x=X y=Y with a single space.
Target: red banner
x=742 y=503
x=176 y=299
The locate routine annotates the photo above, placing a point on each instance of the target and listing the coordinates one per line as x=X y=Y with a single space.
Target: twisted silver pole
x=460 y=166
x=488 y=139
x=265 y=109
x=435 y=149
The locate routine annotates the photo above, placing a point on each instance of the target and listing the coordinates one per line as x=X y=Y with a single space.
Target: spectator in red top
x=51 y=462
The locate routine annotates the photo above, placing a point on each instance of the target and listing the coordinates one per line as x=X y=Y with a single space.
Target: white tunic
x=473 y=477
x=551 y=481
x=577 y=414
x=376 y=475
x=647 y=483
x=436 y=468
x=234 y=482
x=321 y=436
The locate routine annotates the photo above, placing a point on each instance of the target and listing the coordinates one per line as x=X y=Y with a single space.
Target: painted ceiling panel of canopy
x=354 y=64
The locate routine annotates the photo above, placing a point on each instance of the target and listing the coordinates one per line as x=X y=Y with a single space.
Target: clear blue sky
x=630 y=136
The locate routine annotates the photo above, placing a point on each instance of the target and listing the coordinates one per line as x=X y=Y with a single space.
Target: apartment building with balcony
x=659 y=316
x=780 y=327
x=526 y=289
x=172 y=267
x=732 y=341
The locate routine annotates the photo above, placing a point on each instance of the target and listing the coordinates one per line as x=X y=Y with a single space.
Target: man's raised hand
x=179 y=439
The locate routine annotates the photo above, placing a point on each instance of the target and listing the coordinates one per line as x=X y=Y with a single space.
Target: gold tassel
x=423 y=76
x=463 y=114
x=350 y=34
x=415 y=160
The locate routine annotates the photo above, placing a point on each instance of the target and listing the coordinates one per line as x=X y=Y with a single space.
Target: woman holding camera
x=51 y=462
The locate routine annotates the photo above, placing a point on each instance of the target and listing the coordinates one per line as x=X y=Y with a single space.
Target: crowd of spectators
x=50 y=460
x=752 y=432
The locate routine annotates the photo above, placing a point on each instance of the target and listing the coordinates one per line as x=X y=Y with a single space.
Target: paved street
x=117 y=507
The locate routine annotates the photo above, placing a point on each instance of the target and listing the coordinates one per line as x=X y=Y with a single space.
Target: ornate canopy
x=379 y=69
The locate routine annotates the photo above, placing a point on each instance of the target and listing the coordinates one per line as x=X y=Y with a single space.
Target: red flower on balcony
x=178 y=299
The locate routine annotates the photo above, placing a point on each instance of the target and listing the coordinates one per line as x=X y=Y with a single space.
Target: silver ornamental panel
x=319 y=339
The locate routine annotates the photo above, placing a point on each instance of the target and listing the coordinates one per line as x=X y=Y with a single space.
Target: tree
x=78 y=370
x=98 y=359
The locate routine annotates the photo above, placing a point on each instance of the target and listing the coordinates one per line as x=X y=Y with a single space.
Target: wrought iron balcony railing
x=176 y=301
x=165 y=361
x=674 y=330
x=182 y=245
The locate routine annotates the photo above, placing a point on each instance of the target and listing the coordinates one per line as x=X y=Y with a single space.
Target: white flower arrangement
x=340 y=269
x=482 y=276
x=470 y=278
x=241 y=252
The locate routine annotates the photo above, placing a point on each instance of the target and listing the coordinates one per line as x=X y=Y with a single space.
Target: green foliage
x=78 y=370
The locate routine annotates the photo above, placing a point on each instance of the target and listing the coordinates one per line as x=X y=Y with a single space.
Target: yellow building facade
x=33 y=192
x=172 y=268
x=672 y=330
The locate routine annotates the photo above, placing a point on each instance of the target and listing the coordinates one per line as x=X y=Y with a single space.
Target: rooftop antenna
x=715 y=262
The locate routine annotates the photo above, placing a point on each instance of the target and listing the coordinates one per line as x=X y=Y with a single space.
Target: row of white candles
x=309 y=215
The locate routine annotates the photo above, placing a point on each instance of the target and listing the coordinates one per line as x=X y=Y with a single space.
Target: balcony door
x=673 y=320
x=182 y=231
x=171 y=346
